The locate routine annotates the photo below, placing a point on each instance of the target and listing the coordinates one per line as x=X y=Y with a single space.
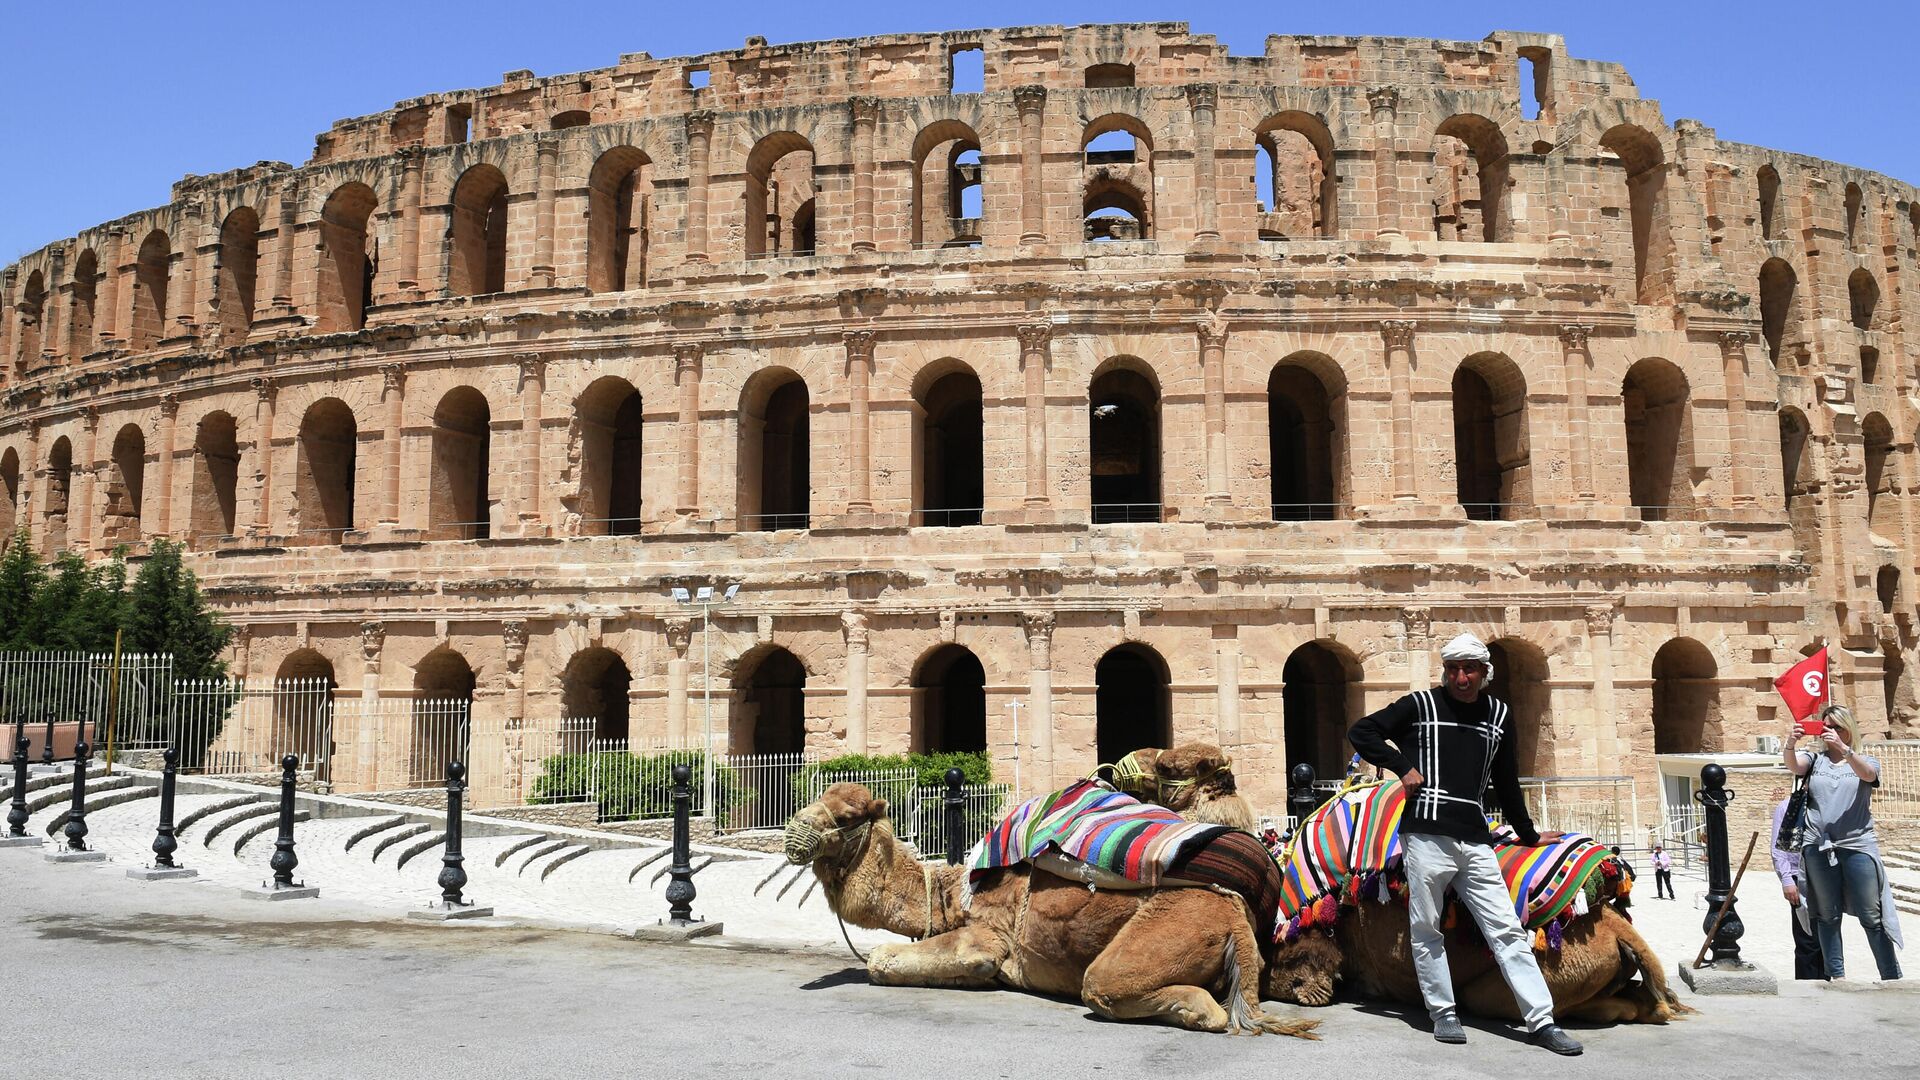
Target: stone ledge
x=162 y=873
x=268 y=892
x=1748 y=979
x=669 y=932
x=76 y=856
x=443 y=913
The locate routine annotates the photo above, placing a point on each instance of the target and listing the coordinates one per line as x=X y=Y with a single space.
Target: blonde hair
x=1841 y=717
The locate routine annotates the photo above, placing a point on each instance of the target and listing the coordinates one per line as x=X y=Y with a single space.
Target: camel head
x=835 y=827
x=1304 y=970
x=1193 y=779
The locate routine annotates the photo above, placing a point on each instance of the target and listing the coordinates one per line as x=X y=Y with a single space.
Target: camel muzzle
x=801 y=841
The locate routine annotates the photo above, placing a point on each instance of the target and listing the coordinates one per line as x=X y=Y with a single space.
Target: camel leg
x=1159 y=965
x=969 y=956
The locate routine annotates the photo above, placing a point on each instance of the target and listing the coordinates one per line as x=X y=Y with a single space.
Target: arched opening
x=1124 y=445
x=1133 y=702
x=779 y=196
x=1117 y=194
x=59 y=485
x=1306 y=438
x=324 y=472
x=1659 y=440
x=1886 y=585
x=346 y=270
x=775 y=479
x=1686 y=699
x=619 y=212
x=216 y=474
x=1897 y=690
x=1493 y=472
x=1778 y=317
x=9 y=495
x=479 y=262
x=458 y=507
x=1318 y=703
x=1520 y=680
x=609 y=417
x=1642 y=172
x=951 y=459
x=1797 y=482
x=946 y=186
x=1869 y=365
x=572 y=118
x=1104 y=76
x=1863 y=297
x=949 y=702
x=126 y=485
x=595 y=686
x=86 y=292
x=1769 y=181
x=303 y=688
x=442 y=703
x=771 y=706
x=1853 y=217
x=1470 y=180
x=1877 y=441
x=30 y=312
x=151 y=274
x=1296 y=182
x=238 y=271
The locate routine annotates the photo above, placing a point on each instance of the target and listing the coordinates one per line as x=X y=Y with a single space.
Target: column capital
x=513 y=634
x=700 y=123
x=1398 y=333
x=1599 y=618
x=859 y=344
x=687 y=356
x=89 y=415
x=1419 y=624
x=1383 y=100
x=1202 y=97
x=373 y=638
x=1029 y=99
x=264 y=388
x=854 y=625
x=679 y=631
x=547 y=143
x=169 y=405
x=1734 y=343
x=1038 y=626
x=532 y=365
x=1212 y=330
x=1034 y=336
x=393 y=378
x=1573 y=336
x=865 y=109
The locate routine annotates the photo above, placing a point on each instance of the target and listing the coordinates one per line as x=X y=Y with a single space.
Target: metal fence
x=1603 y=807
x=123 y=698
x=925 y=817
x=1898 y=798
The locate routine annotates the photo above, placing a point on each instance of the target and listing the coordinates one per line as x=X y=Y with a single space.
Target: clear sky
x=108 y=103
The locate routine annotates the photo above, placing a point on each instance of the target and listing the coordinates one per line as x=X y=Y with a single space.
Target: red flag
x=1804 y=688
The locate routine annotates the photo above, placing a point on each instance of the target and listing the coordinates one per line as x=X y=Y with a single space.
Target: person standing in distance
x=1662 y=873
x=1446 y=744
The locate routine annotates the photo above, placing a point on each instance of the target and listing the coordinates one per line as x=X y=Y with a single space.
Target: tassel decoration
x=1554 y=935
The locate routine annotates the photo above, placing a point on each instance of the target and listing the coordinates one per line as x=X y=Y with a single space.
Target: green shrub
x=930 y=769
x=630 y=785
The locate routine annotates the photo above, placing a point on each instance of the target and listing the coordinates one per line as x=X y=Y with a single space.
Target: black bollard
x=453 y=872
x=17 y=813
x=284 y=860
x=77 y=814
x=956 y=815
x=680 y=890
x=164 y=843
x=46 y=751
x=1714 y=796
x=1300 y=800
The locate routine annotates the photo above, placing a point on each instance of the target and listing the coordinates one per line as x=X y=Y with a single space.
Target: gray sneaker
x=1447 y=1029
x=1555 y=1040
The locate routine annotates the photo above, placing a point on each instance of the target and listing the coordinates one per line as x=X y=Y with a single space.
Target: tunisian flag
x=1804 y=687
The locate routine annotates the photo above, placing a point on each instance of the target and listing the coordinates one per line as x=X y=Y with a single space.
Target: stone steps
x=112 y=798
x=182 y=822
x=269 y=823
x=372 y=828
x=44 y=780
x=424 y=844
x=395 y=836
x=55 y=794
x=249 y=812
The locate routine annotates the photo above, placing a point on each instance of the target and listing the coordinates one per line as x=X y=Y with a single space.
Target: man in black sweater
x=1447 y=744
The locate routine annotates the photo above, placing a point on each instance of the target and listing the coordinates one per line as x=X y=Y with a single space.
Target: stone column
x=106 y=308
x=1733 y=353
x=1573 y=346
x=859 y=345
x=1606 y=726
x=1383 y=100
x=1226 y=661
x=1031 y=101
x=412 y=196
x=430 y=243
x=36 y=480
x=169 y=447
x=56 y=311
x=80 y=512
x=854 y=624
x=513 y=639
x=1561 y=231
x=1039 y=627
x=687 y=365
x=1213 y=369
x=542 y=276
x=1033 y=360
x=679 y=633
x=393 y=390
x=1418 y=622
x=281 y=306
x=1398 y=335
x=699 y=139
x=1202 y=99
x=184 y=298
x=264 y=393
x=866 y=113
x=533 y=378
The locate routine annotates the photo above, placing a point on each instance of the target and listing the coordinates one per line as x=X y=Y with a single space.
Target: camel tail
x=1668 y=1005
x=1244 y=1014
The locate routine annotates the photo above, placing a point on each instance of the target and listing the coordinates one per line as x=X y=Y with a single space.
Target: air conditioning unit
x=1766 y=744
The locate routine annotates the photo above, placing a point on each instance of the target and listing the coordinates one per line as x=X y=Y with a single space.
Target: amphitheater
x=1046 y=390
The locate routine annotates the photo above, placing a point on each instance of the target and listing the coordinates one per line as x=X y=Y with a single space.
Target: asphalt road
x=102 y=977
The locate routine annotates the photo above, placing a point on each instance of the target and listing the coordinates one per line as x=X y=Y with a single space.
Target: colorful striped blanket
x=1095 y=824
x=1350 y=848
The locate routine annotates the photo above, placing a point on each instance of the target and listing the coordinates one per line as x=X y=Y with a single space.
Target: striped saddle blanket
x=1350 y=848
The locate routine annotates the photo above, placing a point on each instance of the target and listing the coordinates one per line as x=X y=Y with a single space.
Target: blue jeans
x=1852 y=884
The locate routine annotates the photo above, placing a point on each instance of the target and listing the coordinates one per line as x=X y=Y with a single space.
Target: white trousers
x=1435 y=862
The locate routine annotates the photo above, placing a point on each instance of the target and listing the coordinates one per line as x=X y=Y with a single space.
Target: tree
x=167 y=613
x=21 y=578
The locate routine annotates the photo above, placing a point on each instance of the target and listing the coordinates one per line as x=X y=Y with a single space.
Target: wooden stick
x=1727 y=903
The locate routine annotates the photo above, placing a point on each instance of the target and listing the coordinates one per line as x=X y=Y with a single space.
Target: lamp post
x=704 y=597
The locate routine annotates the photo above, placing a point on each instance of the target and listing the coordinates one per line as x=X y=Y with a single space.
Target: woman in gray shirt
x=1839 y=856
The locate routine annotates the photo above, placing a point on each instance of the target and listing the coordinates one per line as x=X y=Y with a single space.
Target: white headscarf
x=1468 y=647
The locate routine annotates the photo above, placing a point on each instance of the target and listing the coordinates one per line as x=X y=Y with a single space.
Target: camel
x=1194 y=780
x=1183 y=956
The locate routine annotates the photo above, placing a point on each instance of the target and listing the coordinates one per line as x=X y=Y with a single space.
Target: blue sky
x=108 y=103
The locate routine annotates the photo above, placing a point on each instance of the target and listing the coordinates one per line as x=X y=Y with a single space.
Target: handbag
x=1788 y=838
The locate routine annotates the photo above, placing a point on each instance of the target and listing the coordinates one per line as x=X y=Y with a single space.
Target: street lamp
x=704 y=597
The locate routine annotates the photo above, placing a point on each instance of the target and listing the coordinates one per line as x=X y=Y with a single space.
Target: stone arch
x=769 y=706
x=1886 y=587
x=216 y=475
x=1493 y=464
x=443 y=685
x=457 y=506
x=1643 y=163
x=152 y=273
x=1470 y=202
x=1521 y=679
x=619 y=216
x=1297 y=148
x=126 y=485
x=596 y=684
x=1797 y=478
x=1133 y=702
x=479 y=233
x=30 y=314
x=59 y=490
x=1686 y=699
x=780 y=195
x=775 y=484
x=1779 y=314
x=949 y=708
x=324 y=472
x=949 y=455
x=1854 y=200
x=346 y=270
x=302 y=689
x=81 y=315
x=238 y=273
x=610 y=420
x=9 y=495
x=1320 y=700
x=1118 y=183
x=1863 y=298
x=1306 y=438
x=1659 y=422
x=1768 y=181
x=1876 y=437
x=948 y=178
x=1123 y=460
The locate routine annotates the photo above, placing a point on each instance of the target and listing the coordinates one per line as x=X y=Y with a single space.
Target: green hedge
x=976 y=766
x=631 y=785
